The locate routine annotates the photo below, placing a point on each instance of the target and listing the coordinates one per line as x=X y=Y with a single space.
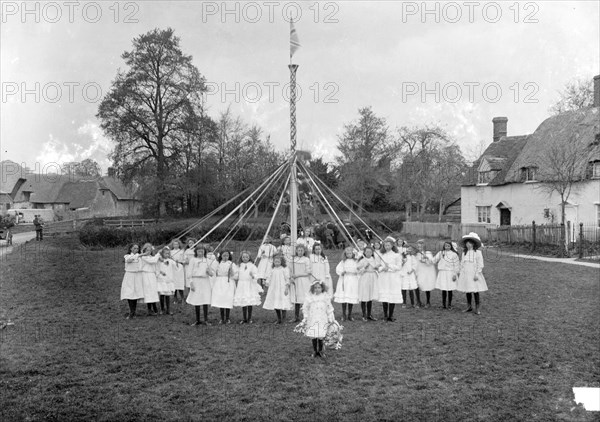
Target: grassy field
x=71 y=355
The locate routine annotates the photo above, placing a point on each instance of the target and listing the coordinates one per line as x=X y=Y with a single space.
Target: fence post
x=533 y=237
x=580 y=240
x=561 y=246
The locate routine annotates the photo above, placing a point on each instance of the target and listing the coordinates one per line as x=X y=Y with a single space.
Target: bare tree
x=577 y=94
x=560 y=168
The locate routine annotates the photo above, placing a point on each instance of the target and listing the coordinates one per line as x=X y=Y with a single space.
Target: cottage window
x=528 y=174
x=483 y=214
x=486 y=177
x=596 y=170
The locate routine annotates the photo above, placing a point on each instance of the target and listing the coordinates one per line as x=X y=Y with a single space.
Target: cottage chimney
x=597 y=91
x=500 y=124
x=111 y=172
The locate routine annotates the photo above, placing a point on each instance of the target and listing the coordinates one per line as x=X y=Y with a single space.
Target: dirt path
x=572 y=261
x=18 y=239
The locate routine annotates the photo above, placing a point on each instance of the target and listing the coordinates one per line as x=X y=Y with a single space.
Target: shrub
x=105 y=236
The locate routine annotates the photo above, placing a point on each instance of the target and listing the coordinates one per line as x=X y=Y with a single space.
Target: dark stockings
x=385 y=310
x=132 y=306
x=444 y=294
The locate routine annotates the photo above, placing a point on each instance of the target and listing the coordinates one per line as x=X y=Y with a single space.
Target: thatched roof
x=117 y=187
x=43 y=188
x=512 y=153
x=580 y=127
x=78 y=194
x=500 y=154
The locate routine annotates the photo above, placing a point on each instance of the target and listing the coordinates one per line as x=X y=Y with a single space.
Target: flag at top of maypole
x=294 y=41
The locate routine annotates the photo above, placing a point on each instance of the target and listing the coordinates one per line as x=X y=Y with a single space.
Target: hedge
x=109 y=237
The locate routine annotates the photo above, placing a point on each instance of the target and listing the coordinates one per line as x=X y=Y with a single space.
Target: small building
x=505 y=186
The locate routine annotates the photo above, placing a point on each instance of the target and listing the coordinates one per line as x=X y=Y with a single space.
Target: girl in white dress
x=471 y=280
x=346 y=291
x=320 y=267
x=165 y=280
x=300 y=274
x=188 y=254
x=448 y=265
x=390 y=283
x=318 y=314
x=376 y=246
x=408 y=277
x=286 y=249
x=247 y=292
x=278 y=293
x=149 y=261
x=367 y=282
x=426 y=273
x=178 y=255
x=212 y=259
x=200 y=271
x=224 y=288
x=266 y=252
x=132 y=287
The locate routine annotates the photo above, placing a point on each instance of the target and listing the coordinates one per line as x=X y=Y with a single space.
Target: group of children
x=299 y=278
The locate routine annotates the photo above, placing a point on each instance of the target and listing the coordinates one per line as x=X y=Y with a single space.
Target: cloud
x=91 y=144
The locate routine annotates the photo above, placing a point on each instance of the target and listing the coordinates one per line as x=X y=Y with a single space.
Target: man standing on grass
x=39 y=226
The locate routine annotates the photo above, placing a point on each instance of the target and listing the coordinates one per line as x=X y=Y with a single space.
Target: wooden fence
x=445 y=230
x=131 y=223
x=541 y=234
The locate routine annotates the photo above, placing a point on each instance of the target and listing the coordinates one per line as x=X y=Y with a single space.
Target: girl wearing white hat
x=471 y=280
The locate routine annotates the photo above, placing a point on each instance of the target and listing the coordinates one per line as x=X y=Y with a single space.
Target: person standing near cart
x=39 y=227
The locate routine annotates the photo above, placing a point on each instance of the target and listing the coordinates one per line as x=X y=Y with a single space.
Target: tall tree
x=364 y=146
x=577 y=94
x=146 y=110
x=416 y=174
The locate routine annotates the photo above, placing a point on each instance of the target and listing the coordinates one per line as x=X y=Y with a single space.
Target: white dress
x=318 y=313
x=288 y=253
x=300 y=286
x=368 y=279
x=407 y=273
x=200 y=287
x=426 y=272
x=188 y=254
x=390 y=284
x=224 y=288
x=265 y=254
x=346 y=290
x=164 y=277
x=132 y=287
x=321 y=271
x=178 y=255
x=470 y=267
x=247 y=292
x=148 y=269
x=448 y=265
x=277 y=278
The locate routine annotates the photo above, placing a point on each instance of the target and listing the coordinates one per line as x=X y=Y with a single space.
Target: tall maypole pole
x=294 y=45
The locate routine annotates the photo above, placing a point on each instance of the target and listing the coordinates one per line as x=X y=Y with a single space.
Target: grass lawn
x=71 y=355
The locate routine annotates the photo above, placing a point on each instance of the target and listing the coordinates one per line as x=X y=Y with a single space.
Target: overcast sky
x=354 y=54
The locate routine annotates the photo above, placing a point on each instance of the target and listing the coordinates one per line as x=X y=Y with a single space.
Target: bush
x=110 y=237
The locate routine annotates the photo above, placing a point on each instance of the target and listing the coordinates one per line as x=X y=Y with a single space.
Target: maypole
x=294 y=45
